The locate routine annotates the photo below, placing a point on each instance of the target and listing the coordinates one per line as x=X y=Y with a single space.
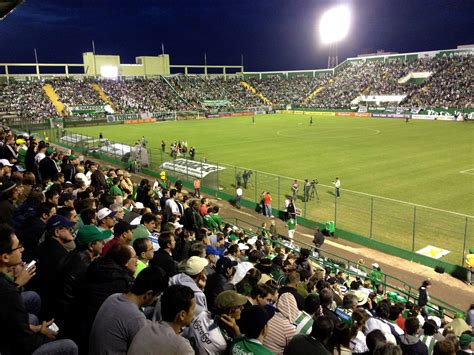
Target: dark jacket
x=16 y=336
x=98 y=181
x=103 y=278
x=163 y=259
x=305 y=344
x=215 y=284
x=29 y=236
x=7 y=210
x=49 y=253
x=422 y=296
x=69 y=172
x=47 y=169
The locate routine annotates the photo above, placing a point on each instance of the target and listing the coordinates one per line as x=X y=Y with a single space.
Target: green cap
x=49 y=150
x=233 y=238
x=140 y=232
x=471 y=251
x=91 y=233
x=72 y=157
x=466 y=340
x=229 y=299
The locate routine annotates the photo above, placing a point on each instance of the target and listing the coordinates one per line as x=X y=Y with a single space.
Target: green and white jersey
x=291 y=224
x=244 y=346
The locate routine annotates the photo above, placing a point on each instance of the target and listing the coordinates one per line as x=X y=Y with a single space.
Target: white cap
x=177 y=225
x=104 y=212
x=375 y=265
x=138 y=206
x=5 y=162
x=195 y=264
x=243 y=246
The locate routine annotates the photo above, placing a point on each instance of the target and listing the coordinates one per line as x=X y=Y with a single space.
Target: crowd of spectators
x=288 y=91
x=449 y=85
x=150 y=268
x=25 y=100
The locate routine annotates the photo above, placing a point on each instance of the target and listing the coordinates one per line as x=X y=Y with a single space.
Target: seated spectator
x=148 y=224
x=220 y=280
x=144 y=250
x=253 y=325
x=178 y=310
x=291 y=284
x=261 y=294
x=340 y=340
x=312 y=310
x=358 y=341
x=213 y=333
x=281 y=328
x=195 y=278
x=375 y=339
x=409 y=342
x=120 y=317
x=18 y=335
x=123 y=234
x=315 y=342
x=163 y=257
x=444 y=347
x=387 y=349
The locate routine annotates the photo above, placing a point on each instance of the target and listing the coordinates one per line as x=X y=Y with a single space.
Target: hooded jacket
x=281 y=328
x=412 y=345
x=186 y=280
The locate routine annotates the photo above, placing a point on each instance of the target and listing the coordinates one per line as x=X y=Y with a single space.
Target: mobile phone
x=31 y=264
x=53 y=327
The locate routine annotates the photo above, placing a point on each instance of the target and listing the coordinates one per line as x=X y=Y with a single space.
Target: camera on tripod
x=314 y=182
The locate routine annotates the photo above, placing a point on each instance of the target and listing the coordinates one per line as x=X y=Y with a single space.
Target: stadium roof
x=6 y=6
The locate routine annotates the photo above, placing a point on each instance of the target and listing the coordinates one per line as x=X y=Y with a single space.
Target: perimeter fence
x=396 y=227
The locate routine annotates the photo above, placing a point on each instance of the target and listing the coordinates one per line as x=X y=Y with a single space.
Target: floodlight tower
x=333 y=28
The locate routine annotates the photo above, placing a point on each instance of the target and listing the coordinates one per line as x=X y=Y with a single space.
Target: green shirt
x=115 y=191
x=210 y=223
x=140 y=266
x=216 y=218
x=244 y=346
x=291 y=224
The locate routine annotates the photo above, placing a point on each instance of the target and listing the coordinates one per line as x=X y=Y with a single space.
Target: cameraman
x=307 y=188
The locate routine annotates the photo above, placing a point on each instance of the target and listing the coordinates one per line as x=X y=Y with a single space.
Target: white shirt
x=239 y=191
x=337 y=183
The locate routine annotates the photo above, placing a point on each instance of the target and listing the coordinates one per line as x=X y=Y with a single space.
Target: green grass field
x=427 y=163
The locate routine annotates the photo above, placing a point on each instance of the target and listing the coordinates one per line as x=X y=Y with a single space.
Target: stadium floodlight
x=109 y=71
x=334 y=24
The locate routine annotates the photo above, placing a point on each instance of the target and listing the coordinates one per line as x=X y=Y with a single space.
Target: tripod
x=313 y=192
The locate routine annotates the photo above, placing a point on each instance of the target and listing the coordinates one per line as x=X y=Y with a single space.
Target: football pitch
x=392 y=172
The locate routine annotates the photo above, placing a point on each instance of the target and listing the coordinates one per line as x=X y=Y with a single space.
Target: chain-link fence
x=401 y=225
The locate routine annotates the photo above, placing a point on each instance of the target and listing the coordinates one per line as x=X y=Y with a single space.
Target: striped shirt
x=304 y=323
x=429 y=341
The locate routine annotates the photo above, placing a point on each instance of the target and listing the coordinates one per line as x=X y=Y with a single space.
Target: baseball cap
x=122 y=226
x=20 y=141
x=65 y=197
x=233 y=238
x=68 y=184
x=210 y=250
x=466 y=339
x=5 y=162
x=243 y=246
x=138 y=206
x=7 y=186
x=195 y=264
x=229 y=299
x=57 y=221
x=254 y=318
x=178 y=225
x=225 y=263
x=72 y=157
x=375 y=265
x=49 y=150
x=91 y=233
x=105 y=212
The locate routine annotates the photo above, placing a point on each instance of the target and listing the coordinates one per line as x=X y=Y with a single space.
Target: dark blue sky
x=271 y=34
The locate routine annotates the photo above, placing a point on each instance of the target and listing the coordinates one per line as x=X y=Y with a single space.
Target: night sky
x=271 y=34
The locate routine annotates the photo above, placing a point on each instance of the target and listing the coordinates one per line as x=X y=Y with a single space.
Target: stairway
x=254 y=91
x=103 y=95
x=54 y=98
x=315 y=92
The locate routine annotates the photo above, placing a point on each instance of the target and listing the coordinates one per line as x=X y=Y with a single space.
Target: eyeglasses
x=20 y=246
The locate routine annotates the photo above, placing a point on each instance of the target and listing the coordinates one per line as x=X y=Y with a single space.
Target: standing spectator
x=318 y=240
x=238 y=196
x=423 y=297
x=47 y=166
x=337 y=185
x=307 y=188
x=470 y=266
x=178 y=310
x=294 y=190
x=291 y=224
x=267 y=204
x=120 y=317
x=197 y=188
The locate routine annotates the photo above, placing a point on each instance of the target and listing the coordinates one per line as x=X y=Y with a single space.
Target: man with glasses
x=17 y=335
x=145 y=252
